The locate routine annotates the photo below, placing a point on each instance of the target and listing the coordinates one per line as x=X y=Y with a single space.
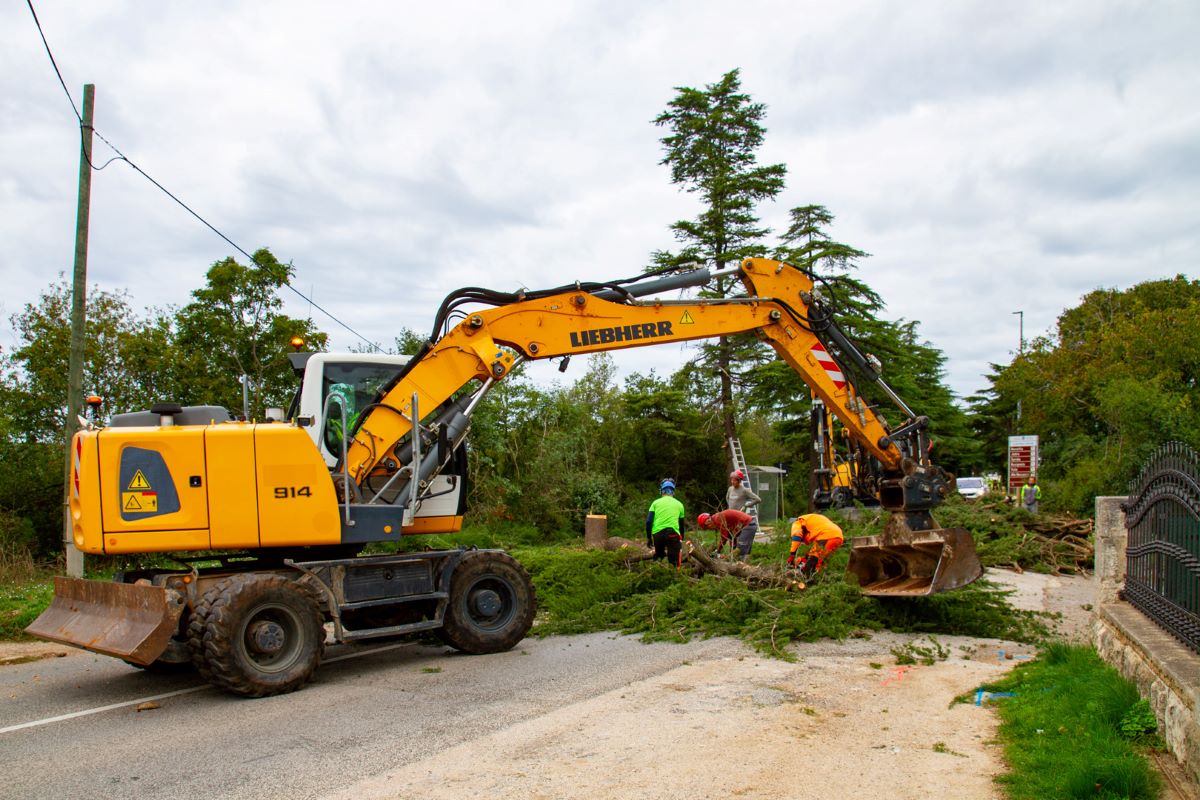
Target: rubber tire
x=468 y=628
x=175 y=661
x=195 y=632
x=228 y=659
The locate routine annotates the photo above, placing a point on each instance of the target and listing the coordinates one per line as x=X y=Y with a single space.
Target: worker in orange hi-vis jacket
x=819 y=531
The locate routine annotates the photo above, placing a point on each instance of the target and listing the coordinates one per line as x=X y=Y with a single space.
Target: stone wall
x=1165 y=672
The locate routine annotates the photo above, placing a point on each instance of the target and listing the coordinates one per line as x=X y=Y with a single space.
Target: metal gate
x=1162 y=516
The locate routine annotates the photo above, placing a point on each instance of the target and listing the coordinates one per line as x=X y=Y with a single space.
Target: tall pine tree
x=711 y=150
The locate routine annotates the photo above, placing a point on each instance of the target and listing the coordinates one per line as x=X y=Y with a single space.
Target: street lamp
x=1021 y=347
x=1021 y=351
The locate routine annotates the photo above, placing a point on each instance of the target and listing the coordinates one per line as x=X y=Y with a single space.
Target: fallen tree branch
x=753 y=575
x=698 y=555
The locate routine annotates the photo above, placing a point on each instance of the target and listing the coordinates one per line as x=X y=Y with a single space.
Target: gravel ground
x=843 y=721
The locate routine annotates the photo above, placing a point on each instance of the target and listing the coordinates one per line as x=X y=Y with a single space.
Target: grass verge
x=21 y=602
x=1075 y=728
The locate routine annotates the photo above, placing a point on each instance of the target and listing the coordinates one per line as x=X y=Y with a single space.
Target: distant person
x=664 y=525
x=819 y=531
x=739 y=494
x=733 y=526
x=1030 y=494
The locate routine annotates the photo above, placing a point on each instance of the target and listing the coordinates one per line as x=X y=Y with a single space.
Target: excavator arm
x=408 y=434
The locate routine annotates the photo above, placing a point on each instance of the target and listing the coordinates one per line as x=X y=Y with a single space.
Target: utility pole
x=1020 y=351
x=78 y=323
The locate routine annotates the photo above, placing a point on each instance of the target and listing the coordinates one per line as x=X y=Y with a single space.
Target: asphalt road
x=69 y=726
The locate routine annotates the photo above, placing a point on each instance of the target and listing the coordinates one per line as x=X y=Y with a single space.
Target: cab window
x=357 y=385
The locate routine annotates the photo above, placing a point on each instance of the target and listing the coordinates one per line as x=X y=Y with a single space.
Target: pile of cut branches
x=1066 y=542
x=1010 y=537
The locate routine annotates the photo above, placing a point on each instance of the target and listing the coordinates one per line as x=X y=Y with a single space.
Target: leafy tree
x=1117 y=377
x=233 y=328
x=711 y=150
x=128 y=360
x=911 y=366
x=31 y=485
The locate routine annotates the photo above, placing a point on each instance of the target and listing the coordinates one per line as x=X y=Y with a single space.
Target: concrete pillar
x=595 y=531
x=1111 y=538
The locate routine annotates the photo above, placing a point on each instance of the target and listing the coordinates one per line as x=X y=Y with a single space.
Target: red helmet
x=702 y=520
x=738 y=474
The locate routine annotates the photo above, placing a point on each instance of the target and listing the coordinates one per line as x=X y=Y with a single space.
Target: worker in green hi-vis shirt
x=664 y=525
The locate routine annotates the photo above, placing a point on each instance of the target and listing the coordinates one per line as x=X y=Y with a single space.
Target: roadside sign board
x=1022 y=460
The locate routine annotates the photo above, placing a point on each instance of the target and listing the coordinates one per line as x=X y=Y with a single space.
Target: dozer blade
x=914 y=563
x=131 y=621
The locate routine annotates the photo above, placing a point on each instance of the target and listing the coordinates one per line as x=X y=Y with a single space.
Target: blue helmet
x=667 y=485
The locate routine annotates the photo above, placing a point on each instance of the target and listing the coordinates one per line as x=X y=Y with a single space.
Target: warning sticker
x=686 y=319
x=139 y=483
x=139 y=502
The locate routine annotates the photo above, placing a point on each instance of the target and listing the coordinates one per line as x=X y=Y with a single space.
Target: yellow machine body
x=223 y=486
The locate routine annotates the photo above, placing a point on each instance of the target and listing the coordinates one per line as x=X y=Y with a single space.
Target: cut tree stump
x=595 y=531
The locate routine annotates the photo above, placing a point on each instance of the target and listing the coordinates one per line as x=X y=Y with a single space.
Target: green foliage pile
x=1072 y=730
x=581 y=591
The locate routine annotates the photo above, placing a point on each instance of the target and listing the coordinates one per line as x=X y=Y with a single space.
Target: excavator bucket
x=131 y=621
x=904 y=563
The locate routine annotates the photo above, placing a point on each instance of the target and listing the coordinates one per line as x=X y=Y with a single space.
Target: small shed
x=767 y=483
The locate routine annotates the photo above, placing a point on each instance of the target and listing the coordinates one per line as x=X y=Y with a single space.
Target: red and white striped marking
x=829 y=365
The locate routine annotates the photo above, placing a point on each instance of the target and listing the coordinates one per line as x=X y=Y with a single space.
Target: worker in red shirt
x=819 y=531
x=733 y=525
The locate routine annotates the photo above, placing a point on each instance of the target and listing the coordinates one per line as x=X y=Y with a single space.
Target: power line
x=122 y=157
x=53 y=62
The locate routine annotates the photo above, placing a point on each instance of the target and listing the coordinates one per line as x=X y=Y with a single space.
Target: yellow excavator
x=839 y=476
x=374 y=449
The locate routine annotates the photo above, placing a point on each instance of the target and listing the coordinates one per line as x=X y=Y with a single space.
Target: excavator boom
x=780 y=307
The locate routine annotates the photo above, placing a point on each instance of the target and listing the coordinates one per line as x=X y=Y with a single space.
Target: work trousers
x=745 y=539
x=820 y=550
x=668 y=545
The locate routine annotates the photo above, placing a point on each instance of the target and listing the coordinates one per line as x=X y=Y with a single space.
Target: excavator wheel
x=175 y=660
x=195 y=634
x=257 y=635
x=492 y=603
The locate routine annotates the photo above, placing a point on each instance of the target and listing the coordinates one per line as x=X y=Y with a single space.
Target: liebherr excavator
x=357 y=464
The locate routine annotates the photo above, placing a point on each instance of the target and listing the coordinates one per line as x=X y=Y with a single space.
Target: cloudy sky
x=992 y=157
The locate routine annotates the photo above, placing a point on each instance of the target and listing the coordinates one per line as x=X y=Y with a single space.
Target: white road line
x=86 y=712
x=100 y=709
